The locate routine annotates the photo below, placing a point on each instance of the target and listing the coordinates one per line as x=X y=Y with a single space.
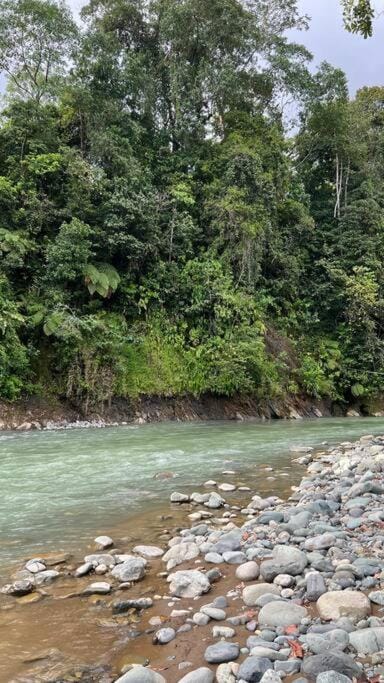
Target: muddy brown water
x=60 y=633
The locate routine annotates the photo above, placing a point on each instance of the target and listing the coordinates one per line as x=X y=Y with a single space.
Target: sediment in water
x=319 y=558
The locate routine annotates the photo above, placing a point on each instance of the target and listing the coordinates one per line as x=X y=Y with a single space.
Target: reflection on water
x=60 y=488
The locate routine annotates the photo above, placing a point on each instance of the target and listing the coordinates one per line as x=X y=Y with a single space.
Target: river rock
x=221 y=652
x=251 y=594
x=202 y=675
x=46 y=576
x=214 y=558
x=332 y=677
x=279 y=613
x=84 y=569
x=315 y=586
x=377 y=597
x=229 y=541
x=149 y=551
x=249 y=571
x=253 y=668
x=132 y=569
x=234 y=557
x=330 y=661
x=141 y=674
x=18 y=588
x=35 y=566
x=165 y=635
x=213 y=613
x=177 y=497
x=223 y=632
x=268 y=653
x=120 y=606
x=100 y=558
x=336 y=604
x=226 y=487
x=285 y=560
x=180 y=553
x=270 y=677
x=224 y=673
x=321 y=542
x=103 y=542
x=215 y=501
x=188 y=584
x=98 y=588
x=368 y=640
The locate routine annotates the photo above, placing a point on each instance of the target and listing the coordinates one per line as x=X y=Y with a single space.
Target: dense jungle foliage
x=186 y=207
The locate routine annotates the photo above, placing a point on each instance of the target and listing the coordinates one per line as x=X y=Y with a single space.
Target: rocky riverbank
x=275 y=590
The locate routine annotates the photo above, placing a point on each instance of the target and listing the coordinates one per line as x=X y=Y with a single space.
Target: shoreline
x=41 y=414
x=334 y=557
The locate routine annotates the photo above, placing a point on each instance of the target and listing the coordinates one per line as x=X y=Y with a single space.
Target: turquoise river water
x=60 y=488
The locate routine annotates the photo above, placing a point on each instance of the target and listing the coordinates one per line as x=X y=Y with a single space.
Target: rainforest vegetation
x=188 y=206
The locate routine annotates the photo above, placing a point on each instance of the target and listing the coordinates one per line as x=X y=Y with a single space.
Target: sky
x=362 y=60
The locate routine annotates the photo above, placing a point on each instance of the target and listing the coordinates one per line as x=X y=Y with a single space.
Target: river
x=60 y=489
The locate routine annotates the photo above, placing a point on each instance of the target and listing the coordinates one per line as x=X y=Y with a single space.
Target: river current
x=61 y=488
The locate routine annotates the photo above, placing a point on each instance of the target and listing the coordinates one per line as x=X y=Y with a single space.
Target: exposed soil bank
x=37 y=413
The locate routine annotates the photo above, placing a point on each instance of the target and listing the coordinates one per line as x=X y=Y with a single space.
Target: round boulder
x=335 y=604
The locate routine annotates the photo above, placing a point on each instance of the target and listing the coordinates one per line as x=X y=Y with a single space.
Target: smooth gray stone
x=132 y=569
x=285 y=560
x=330 y=661
x=315 y=587
x=221 y=652
x=279 y=613
x=273 y=516
x=228 y=542
x=254 y=641
x=214 y=558
x=253 y=668
x=165 y=635
x=141 y=674
x=368 y=640
x=234 y=557
x=377 y=597
x=292 y=666
x=202 y=675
